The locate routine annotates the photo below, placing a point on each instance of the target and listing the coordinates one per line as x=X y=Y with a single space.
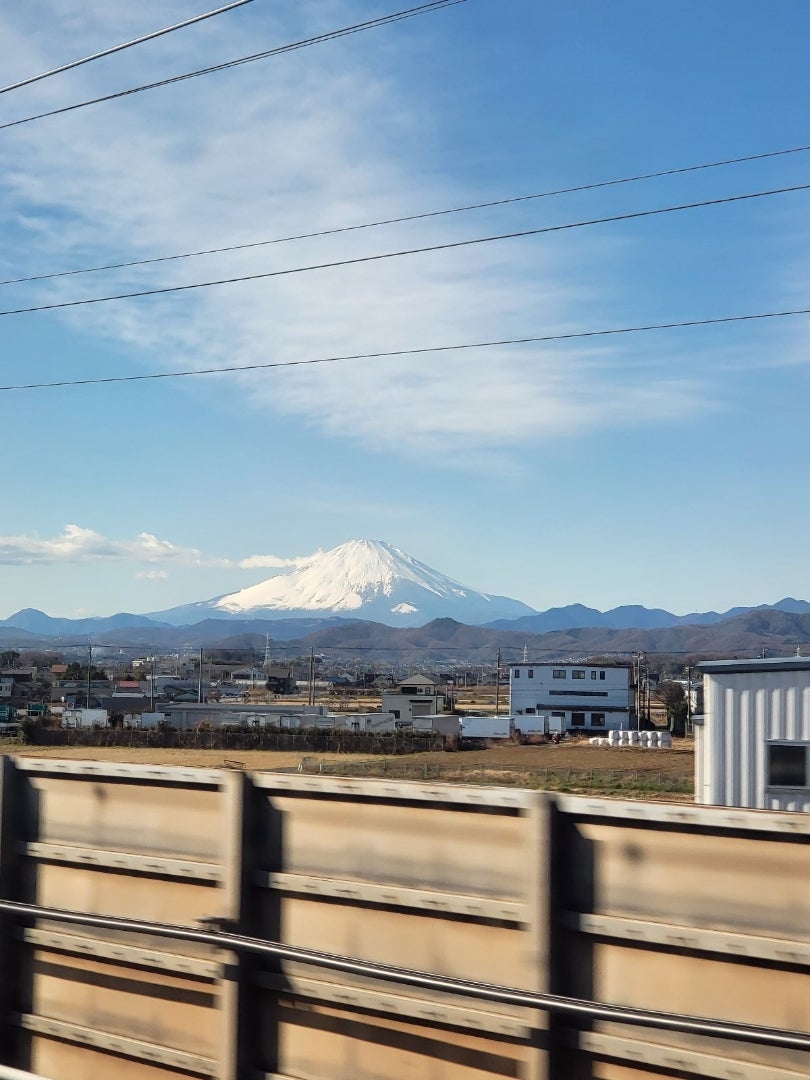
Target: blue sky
x=664 y=468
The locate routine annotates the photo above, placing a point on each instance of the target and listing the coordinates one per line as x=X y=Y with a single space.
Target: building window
x=787 y=765
x=531 y=712
x=558 y=673
x=531 y=673
x=593 y=674
x=558 y=715
x=578 y=693
x=601 y=674
x=517 y=673
x=597 y=719
x=577 y=674
x=577 y=719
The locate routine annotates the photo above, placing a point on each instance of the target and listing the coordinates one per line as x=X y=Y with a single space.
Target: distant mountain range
x=633 y=616
x=445 y=641
x=372 y=596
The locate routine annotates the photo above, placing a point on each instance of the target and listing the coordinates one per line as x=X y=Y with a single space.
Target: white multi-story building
x=752 y=745
x=575 y=697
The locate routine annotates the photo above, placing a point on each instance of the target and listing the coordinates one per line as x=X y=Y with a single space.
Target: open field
x=627 y=772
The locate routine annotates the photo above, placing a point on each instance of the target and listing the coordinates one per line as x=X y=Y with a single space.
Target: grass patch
x=625 y=783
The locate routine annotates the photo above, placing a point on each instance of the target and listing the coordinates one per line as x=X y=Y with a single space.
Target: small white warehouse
x=575 y=697
x=752 y=745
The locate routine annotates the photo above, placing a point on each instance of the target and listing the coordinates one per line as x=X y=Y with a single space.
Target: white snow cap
x=369 y=579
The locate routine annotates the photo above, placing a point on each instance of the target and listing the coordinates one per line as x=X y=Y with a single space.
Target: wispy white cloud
x=297 y=145
x=272 y=562
x=79 y=545
x=76 y=544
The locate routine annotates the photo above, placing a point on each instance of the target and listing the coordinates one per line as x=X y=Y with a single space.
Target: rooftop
x=770 y=663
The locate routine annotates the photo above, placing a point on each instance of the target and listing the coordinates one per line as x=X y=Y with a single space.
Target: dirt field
x=627 y=772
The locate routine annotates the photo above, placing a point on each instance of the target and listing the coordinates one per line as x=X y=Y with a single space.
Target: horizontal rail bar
x=683 y=1059
x=152 y=865
x=426 y=902
x=122 y=771
x=720 y=943
x=117 y=1044
x=445 y=797
x=410 y=1007
x=770 y=824
x=565 y=1006
x=124 y=954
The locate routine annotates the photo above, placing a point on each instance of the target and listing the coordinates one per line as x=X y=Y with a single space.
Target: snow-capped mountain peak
x=365 y=579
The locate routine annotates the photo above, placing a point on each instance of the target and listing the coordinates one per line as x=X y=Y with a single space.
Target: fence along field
x=671 y=909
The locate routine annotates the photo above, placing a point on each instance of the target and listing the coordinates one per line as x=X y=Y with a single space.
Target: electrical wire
x=409 y=217
x=126 y=45
x=331 y=35
x=528 y=340
x=429 y=249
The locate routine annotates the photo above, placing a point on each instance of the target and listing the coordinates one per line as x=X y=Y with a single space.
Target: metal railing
x=575 y=1008
x=7 y=1073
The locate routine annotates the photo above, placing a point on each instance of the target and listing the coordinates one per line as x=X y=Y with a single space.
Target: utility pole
x=688 y=699
x=312 y=676
x=498 y=685
x=199 y=680
x=639 y=692
x=89 y=666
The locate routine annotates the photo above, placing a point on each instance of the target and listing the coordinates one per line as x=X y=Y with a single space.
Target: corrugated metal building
x=752 y=746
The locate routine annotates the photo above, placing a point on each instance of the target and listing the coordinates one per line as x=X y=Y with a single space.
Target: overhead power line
x=331 y=35
x=527 y=340
x=126 y=45
x=429 y=249
x=407 y=217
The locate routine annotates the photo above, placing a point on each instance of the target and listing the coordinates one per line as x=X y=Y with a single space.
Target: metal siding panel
x=700 y=765
x=157 y=1008
x=141 y=818
x=63 y=1061
x=744 y=711
x=136 y=843
x=460 y=949
x=405 y=844
x=706 y=987
x=747 y=761
x=759 y=749
x=702 y=986
x=709 y=880
x=736 y=873
x=674 y=1061
x=88 y=889
x=327 y=1042
x=380 y=859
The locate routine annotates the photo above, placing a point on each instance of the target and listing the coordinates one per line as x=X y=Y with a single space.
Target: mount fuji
x=362 y=579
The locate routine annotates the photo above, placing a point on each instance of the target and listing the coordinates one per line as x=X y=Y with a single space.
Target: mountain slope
x=633 y=617
x=362 y=579
x=37 y=622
